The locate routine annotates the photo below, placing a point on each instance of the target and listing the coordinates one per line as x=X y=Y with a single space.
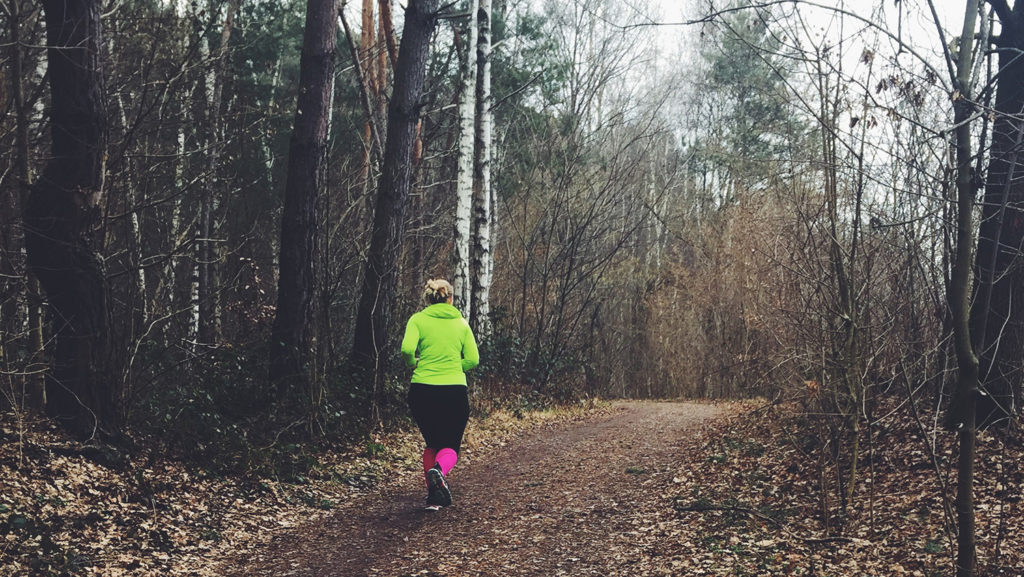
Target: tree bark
x=36 y=391
x=387 y=30
x=209 y=254
x=370 y=90
x=380 y=277
x=482 y=258
x=997 y=318
x=61 y=211
x=959 y=300
x=462 y=281
x=291 y=338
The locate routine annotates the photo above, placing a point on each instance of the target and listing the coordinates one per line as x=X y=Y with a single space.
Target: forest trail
x=562 y=500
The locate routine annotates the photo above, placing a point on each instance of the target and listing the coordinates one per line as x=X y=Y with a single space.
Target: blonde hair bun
x=437 y=291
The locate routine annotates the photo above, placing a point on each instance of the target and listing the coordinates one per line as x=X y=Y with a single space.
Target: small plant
x=934 y=546
x=748 y=447
x=210 y=535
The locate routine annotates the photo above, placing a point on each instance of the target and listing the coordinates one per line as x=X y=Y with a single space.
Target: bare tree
x=13 y=241
x=960 y=294
x=208 y=260
x=997 y=316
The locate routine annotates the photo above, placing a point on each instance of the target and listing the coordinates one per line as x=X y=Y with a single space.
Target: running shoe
x=438 y=492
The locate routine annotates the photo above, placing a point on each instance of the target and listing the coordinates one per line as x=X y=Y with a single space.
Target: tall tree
x=208 y=277
x=11 y=243
x=62 y=208
x=291 y=337
x=997 y=318
x=959 y=296
x=462 y=281
x=380 y=276
x=483 y=209
x=365 y=64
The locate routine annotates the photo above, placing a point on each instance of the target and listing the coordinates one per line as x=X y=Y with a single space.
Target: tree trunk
x=291 y=338
x=462 y=282
x=139 y=304
x=959 y=300
x=209 y=254
x=380 y=277
x=62 y=209
x=997 y=318
x=36 y=391
x=387 y=30
x=174 y=232
x=366 y=37
x=483 y=260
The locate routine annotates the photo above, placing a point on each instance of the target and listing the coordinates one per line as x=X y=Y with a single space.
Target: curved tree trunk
x=291 y=339
x=380 y=277
x=61 y=211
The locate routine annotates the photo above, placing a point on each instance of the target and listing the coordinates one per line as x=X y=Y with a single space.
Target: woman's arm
x=470 y=354
x=409 y=343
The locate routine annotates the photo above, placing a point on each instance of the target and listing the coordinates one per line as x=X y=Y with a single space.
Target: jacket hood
x=442 y=311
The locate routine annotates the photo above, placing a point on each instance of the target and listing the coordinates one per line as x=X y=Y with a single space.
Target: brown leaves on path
x=567 y=499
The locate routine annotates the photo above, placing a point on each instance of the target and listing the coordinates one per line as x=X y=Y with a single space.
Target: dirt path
x=565 y=500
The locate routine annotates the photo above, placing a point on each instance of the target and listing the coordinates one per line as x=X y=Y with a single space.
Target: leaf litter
x=638 y=489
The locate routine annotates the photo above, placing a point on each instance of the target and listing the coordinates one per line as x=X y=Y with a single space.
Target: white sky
x=917 y=27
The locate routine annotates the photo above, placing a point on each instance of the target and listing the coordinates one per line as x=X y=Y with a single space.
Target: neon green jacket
x=445 y=345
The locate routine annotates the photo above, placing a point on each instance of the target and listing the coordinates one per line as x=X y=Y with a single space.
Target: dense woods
x=217 y=215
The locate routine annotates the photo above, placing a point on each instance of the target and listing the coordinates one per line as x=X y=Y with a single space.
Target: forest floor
x=623 y=489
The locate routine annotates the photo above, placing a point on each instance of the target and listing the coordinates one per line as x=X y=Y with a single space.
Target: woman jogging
x=440 y=346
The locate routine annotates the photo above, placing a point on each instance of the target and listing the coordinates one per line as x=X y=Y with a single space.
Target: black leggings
x=441 y=412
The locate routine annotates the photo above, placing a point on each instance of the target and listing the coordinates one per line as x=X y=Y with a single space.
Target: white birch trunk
x=209 y=253
x=268 y=155
x=193 y=325
x=135 y=235
x=462 y=283
x=483 y=210
x=653 y=201
x=171 y=265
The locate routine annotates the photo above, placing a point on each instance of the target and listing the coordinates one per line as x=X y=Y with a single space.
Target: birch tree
x=483 y=195
x=12 y=312
x=461 y=281
x=207 y=279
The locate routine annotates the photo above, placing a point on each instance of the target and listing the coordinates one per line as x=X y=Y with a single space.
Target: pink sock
x=447 y=459
x=429 y=458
